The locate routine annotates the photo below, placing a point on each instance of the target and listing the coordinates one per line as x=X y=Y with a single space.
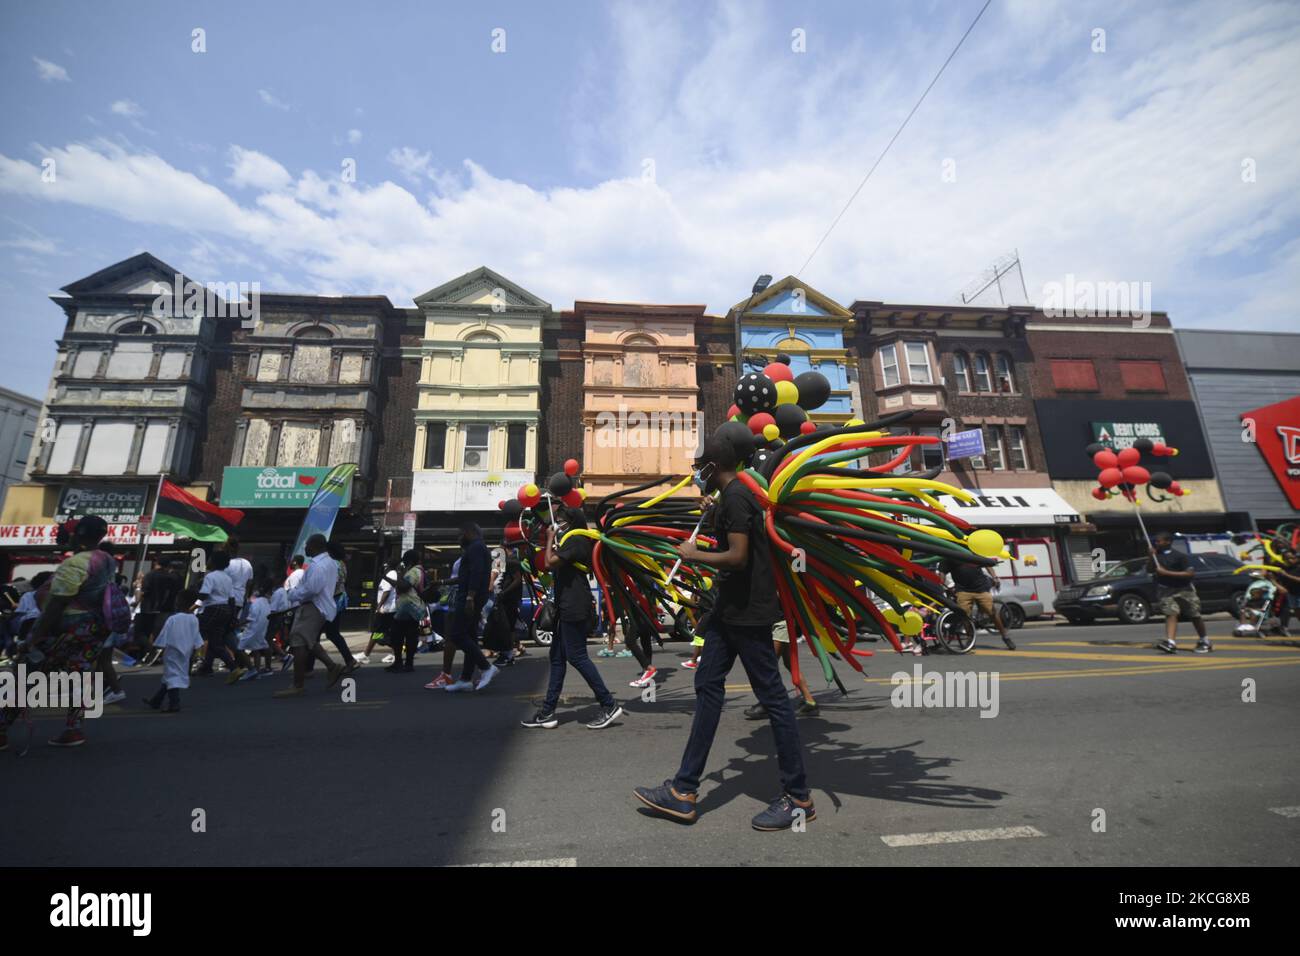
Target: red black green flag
x=186 y=516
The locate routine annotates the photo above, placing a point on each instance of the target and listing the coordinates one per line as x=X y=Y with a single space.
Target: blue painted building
x=792 y=317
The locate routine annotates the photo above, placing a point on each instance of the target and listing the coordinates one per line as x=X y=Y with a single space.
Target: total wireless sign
x=284 y=487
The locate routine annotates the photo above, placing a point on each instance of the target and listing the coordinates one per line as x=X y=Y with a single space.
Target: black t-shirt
x=1292 y=587
x=1172 y=559
x=510 y=594
x=968 y=577
x=572 y=592
x=158 y=592
x=746 y=596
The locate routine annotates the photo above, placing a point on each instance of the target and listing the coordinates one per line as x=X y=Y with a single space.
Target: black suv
x=1128 y=592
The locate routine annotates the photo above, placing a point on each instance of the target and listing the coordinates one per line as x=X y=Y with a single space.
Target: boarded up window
x=153 y=448
x=110 y=448
x=299 y=444
x=256 y=439
x=131 y=360
x=640 y=370
x=350 y=368
x=87 y=363
x=343 y=443
x=172 y=364
x=1142 y=376
x=268 y=367
x=65 y=448
x=311 y=363
x=1074 y=375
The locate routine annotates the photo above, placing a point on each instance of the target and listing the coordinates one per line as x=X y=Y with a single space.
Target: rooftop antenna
x=992 y=276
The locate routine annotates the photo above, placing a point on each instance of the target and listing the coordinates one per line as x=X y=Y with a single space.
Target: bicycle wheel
x=956 y=632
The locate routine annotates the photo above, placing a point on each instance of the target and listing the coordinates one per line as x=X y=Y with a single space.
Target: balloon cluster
x=564 y=486
x=1122 y=473
x=1274 y=550
x=774 y=403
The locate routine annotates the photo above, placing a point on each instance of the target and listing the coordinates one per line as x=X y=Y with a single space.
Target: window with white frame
x=1006 y=373
x=931 y=455
x=1018 y=447
x=983 y=380
x=994 y=449
x=918 y=363
x=961 y=370
x=476 y=447
x=889 y=366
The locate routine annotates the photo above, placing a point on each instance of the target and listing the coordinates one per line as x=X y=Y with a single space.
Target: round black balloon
x=736 y=438
x=1160 y=479
x=560 y=484
x=755 y=393
x=512 y=508
x=814 y=390
x=1094 y=448
x=788 y=419
x=783 y=358
x=1143 y=445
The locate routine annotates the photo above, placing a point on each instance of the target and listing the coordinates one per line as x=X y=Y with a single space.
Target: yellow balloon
x=771 y=432
x=912 y=624
x=985 y=542
x=787 y=393
x=854 y=422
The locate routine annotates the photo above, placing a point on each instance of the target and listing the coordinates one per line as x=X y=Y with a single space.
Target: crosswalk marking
x=1285 y=811
x=557 y=861
x=961 y=836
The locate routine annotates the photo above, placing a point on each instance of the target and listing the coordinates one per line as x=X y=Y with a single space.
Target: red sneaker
x=646 y=679
x=690 y=665
x=439 y=682
x=69 y=738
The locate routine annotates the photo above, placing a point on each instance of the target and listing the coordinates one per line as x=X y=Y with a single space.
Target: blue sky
x=651 y=152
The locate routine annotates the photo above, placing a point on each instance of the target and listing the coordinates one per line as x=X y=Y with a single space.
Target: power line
x=897 y=133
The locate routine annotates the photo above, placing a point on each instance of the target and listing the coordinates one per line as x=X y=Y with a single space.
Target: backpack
x=115 y=611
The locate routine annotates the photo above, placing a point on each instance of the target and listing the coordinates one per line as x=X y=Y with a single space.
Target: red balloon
x=1110 y=477
x=573 y=499
x=760 y=420
x=779 y=372
x=734 y=412
x=1176 y=490
x=1105 y=459
x=571 y=467
x=1159 y=449
x=1099 y=494
x=501 y=505
x=1136 y=475
x=1129 y=456
x=808 y=428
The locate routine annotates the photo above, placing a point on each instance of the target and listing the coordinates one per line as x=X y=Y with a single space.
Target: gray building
x=18 y=417
x=1247 y=389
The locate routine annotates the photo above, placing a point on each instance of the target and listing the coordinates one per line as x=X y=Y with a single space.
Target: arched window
x=983 y=374
x=642 y=340
x=137 y=328
x=961 y=371
x=481 y=337
x=1006 y=376
x=314 y=332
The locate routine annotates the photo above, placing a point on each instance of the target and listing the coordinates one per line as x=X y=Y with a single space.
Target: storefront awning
x=1012 y=507
x=45 y=535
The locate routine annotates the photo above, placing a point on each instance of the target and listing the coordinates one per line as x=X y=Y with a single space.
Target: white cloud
x=49 y=72
x=267 y=97
x=251 y=169
x=127 y=108
x=354 y=136
x=412 y=164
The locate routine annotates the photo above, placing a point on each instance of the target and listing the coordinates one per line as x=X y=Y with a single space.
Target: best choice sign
x=283 y=487
x=1116 y=435
x=114 y=503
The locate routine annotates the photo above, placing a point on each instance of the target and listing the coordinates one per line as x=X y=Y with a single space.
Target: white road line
x=1285 y=811
x=558 y=861
x=960 y=836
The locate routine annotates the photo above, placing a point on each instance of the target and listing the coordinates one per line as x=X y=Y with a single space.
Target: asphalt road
x=1089 y=719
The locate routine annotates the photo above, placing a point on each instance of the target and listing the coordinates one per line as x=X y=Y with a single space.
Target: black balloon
x=512 y=508
x=1159 y=479
x=755 y=393
x=788 y=419
x=737 y=437
x=1143 y=445
x=814 y=390
x=560 y=484
x=783 y=358
x=1094 y=448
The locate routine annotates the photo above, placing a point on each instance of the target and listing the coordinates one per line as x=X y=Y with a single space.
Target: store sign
x=967 y=444
x=114 y=503
x=271 y=487
x=464 y=490
x=1012 y=507
x=1117 y=435
x=45 y=535
x=408 y=531
x=1275 y=430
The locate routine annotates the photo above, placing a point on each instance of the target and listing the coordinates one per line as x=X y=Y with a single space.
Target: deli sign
x=1275 y=430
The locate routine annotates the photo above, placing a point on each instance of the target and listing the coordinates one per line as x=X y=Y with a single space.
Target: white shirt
x=388 y=593
x=294 y=577
x=253 y=636
x=317 y=585
x=180 y=639
x=240 y=572
x=217 y=588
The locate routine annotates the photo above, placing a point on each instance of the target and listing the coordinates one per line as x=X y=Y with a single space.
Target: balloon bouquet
x=1122 y=474
x=858 y=548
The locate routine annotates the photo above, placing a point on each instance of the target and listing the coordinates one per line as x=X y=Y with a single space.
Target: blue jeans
x=569 y=646
x=753 y=645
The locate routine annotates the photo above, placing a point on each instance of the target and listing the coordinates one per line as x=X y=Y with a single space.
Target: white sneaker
x=486 y=679
x=361 y=658
x=458 y=686
x=114 y=696
x=388 y=659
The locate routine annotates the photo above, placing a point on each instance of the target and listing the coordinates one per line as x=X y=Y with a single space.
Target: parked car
x=1128 y=592
x=1017 y=602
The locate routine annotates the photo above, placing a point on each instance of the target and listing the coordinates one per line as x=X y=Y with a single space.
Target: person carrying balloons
x=1175 y=593
x=739 y=625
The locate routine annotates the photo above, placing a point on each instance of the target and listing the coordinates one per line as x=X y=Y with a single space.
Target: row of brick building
x=449 y=405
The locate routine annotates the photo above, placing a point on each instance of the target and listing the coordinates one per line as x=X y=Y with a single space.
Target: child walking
x=252 y=638
x=178 y=641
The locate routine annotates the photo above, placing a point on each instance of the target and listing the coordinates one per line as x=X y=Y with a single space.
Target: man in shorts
x=974 y=585
x=314 y=596
x=1175 y=593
